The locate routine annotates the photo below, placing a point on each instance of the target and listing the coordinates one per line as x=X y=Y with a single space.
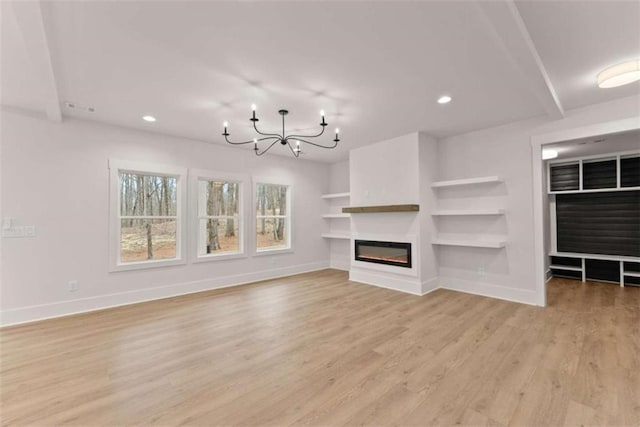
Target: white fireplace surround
x=409 y=238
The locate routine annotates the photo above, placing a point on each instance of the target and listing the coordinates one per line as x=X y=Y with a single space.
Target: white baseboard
x=430 y=285
x=488 y=290
x=407 y=285
x=65 y=308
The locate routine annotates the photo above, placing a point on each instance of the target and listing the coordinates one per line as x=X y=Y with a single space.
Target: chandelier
x=292 y=141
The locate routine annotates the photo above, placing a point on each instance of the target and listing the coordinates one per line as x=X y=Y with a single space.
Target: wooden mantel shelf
x=381 y=208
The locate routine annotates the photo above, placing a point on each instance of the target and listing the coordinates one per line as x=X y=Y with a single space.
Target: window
x=273 y=217
x=146 y=221
x=217 y=207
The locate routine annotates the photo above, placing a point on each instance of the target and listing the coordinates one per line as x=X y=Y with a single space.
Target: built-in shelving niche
x=469 y=241
x=337 y=232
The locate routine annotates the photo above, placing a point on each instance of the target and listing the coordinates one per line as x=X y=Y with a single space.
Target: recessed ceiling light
x=620 y=74
x=549 y=154
x=148 y=118
x=444 y=99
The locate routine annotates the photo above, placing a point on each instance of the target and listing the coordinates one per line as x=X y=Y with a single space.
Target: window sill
x=221 y=257
x=145 y=265
x=274 y=251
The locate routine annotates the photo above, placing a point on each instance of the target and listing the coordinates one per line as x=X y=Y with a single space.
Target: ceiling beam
x=513 y=37
x=30 y=20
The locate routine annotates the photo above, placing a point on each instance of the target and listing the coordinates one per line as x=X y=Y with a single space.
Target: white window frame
x=256 y=217
x=197 y=175
x=115 y=168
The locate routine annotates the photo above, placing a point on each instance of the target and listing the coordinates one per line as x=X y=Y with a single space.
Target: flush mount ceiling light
x=549 y=154
x=149 y=119
x=621 y=74
x=444 y=99
x=283 y=138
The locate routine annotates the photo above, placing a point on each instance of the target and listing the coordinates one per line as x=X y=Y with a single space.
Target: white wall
x=428 y=170
x=506 y=151
x=339 y=249
x=55 y=176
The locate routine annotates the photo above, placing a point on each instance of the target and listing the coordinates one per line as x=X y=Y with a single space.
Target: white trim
x=115 y=167
x=595 y=256
x=596 y=190
x=65 y=308
x=595 y=157
x=197 y=175
x=553 y=224
x=523 y=296
x=537 y=141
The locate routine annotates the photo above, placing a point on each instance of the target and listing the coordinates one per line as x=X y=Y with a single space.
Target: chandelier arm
x=277 y=138
x=273 y=135
x=335 y=143
x=306 y=136
x=294 y=152
x=260 y=153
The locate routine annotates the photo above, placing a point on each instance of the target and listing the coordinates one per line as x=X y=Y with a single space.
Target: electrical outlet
x=481 y=271
x=72 y=285
x=16 y=231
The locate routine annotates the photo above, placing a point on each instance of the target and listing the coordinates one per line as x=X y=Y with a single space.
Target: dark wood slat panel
x=565 y=177
x=599 y=175
x=630 y=172
x=570 y=262
x=599 y=223
x=602 y=270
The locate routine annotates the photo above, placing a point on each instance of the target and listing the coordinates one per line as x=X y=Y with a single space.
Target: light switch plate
x=13 y=231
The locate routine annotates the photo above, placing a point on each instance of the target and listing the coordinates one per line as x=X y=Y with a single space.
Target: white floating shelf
x=338 y=215
x=565 y=267
x=632 y=273
x=495 y=244
x=469 y=181
x=336 y=236
x=460 y=212
x=335 y=195
x=596 y=256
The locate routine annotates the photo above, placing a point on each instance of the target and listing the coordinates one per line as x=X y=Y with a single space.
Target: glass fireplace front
x=390 y=253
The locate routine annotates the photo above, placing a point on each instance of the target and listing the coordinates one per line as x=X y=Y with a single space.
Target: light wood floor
x=317 y=349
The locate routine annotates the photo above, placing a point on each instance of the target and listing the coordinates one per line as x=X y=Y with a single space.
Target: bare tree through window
x=148 y=217
x=272 y=216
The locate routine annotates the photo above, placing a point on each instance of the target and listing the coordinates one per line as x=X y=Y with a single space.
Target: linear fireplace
x=390 y=253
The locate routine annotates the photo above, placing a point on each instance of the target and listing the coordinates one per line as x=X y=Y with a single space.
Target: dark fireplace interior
x=390 y=253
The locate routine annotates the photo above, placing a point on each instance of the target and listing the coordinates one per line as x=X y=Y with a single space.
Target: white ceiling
x=376 y=68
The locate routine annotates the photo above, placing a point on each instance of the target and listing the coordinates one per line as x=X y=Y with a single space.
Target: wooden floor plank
x=316 y=349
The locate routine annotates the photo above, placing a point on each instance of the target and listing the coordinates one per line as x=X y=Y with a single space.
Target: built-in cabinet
x=479 y=183
x=595 y=218
x=338 y=226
